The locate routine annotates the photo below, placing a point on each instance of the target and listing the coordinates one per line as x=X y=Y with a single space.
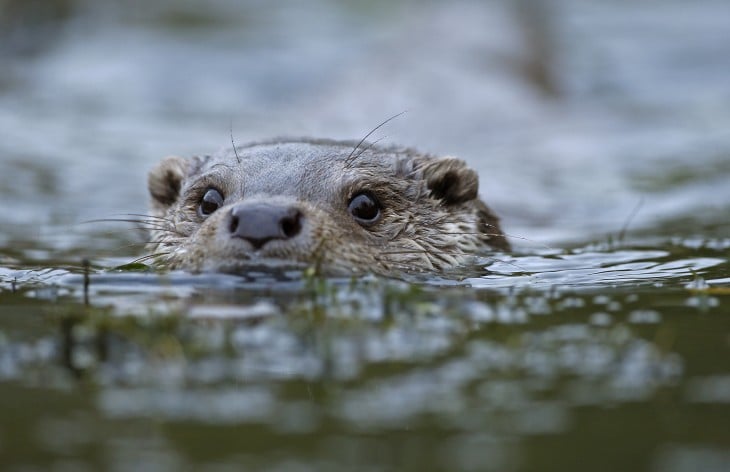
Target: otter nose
x=259 y=223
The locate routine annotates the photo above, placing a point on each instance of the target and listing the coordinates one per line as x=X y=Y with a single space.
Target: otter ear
x=165 y=180
x=450 y=180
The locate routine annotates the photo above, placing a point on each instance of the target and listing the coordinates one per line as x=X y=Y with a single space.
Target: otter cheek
x=211 y=239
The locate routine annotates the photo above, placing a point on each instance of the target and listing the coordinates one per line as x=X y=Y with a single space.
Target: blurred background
x=575 y=113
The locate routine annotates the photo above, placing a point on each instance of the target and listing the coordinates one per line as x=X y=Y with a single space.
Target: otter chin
x=339 y=206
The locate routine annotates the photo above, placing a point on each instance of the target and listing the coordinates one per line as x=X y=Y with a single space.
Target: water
x=600 y=132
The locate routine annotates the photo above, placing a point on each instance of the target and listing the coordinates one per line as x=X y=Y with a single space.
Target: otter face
x=301 y=203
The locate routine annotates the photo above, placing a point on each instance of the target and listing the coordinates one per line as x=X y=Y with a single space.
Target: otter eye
x=364 y=208
x=212 y=200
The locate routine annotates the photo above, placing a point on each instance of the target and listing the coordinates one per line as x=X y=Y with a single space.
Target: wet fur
x=432 y=219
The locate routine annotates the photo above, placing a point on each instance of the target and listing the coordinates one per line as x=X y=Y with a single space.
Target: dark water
x=601 y=131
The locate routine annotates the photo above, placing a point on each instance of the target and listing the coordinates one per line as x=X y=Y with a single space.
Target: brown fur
x=431 y=218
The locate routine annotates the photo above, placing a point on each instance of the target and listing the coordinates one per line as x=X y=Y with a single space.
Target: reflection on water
x=601 y=126
x=336 y=362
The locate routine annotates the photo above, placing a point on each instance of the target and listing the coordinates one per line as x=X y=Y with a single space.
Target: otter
x=340 y=206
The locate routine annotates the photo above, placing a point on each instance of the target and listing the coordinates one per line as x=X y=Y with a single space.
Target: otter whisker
x=148 y=224
x=235 y=151
x=347 y=160
x=513 y=236
x=131 y=244
x=167 y=227
x=149 y=256
x=142 y=215
x=121 y=220
x=129 y=230
x=424 y=251
x=404 y=264
x=368 y=147
x=625 y=227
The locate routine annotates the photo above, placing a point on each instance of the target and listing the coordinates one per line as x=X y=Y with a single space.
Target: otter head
x=383 y=210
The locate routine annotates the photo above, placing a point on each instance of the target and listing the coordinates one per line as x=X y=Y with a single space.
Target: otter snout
x=259 y=223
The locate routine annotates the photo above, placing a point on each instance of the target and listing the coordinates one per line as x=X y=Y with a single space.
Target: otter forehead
x=297 y=168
